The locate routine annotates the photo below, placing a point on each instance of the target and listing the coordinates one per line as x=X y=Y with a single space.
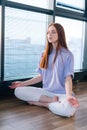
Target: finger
x=11 y=87
x=13 y=83
x=75 y=103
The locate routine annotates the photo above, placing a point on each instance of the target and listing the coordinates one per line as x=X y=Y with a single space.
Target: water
x=21 y=59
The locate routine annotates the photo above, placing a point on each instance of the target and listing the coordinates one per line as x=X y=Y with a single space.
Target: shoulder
x=66 y=52
x=66 y=55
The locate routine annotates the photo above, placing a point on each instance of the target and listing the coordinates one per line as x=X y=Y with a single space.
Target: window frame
x=57 y=11
x=68 y=6
x=4 y=4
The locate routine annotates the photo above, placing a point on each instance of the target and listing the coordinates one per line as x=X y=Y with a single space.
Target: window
x=25 y=34
x=73 y=5
x=38 y=3
x=74 y=31
x=0 y=42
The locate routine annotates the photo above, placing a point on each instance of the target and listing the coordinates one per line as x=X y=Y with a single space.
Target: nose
x=49 y=34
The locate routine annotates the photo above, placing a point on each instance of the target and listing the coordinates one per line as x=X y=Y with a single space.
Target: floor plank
x=18 y=115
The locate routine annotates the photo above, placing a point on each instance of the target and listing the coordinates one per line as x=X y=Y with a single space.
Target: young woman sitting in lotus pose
x=56 y=70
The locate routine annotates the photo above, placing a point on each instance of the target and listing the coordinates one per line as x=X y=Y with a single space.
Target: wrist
x=23 y=83
x=67 y=95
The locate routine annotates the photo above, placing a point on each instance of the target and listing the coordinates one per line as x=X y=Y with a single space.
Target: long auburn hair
x=49 y=47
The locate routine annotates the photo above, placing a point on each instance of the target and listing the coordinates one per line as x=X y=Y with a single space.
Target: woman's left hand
x=73 y=100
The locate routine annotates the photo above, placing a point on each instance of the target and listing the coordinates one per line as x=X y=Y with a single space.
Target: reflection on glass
x=48 y=4
x=24 y=41
x=74 y=30
x=79 y=4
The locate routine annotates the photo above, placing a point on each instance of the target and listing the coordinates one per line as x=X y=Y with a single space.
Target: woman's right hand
x=16 y=84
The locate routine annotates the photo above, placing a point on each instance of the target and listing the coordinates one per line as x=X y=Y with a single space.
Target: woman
x=56 y=73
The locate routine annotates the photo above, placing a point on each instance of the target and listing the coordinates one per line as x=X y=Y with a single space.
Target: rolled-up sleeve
x=69 y=66
x=39 y=70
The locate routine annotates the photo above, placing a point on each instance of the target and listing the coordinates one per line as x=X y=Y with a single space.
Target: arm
x=68 y=87
x=34 y=80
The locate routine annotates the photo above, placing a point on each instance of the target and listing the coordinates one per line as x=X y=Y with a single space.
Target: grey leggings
x=62 y=108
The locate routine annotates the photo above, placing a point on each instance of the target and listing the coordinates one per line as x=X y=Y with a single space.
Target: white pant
x=62 y=108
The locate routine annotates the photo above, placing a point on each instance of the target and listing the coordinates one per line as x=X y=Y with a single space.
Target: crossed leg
x=36 y=96
x=44 y=101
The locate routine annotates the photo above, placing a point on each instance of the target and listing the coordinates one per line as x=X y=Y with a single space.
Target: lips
x=50 y=38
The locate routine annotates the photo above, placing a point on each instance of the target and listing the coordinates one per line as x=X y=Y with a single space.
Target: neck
x=54 y=45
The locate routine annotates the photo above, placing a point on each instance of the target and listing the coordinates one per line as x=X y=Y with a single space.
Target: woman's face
x=52 y=35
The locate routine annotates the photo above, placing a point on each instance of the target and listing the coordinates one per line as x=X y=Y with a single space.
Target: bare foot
x=30 y=102
x=55 y=99
x=38 y=103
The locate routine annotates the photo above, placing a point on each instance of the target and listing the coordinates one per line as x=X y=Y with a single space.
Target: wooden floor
x=17 y=115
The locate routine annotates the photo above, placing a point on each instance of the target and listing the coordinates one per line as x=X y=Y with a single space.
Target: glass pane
x=79 y=4
x=48 y=4
x=74 y=30
x=24 y=41
x=0 y=42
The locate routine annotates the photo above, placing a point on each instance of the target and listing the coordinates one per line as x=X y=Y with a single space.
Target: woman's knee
x=18 y=92
x=28 y=93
